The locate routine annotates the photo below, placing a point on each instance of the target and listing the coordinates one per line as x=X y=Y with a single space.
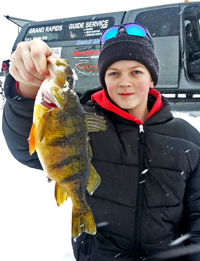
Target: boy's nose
x=125 y=82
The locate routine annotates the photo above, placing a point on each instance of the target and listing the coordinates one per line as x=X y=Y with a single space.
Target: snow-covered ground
x=32 y=226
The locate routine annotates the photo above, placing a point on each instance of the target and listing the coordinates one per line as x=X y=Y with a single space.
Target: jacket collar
x=101 y=98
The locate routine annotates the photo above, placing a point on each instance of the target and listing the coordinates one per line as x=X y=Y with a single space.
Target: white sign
x=53 y=28
x=57 y=51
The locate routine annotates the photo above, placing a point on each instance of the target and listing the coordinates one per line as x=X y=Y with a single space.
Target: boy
x=148 y=161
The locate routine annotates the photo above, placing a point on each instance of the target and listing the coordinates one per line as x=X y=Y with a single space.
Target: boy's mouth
x=125 y=94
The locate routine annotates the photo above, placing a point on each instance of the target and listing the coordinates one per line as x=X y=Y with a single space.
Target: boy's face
x=128 y=84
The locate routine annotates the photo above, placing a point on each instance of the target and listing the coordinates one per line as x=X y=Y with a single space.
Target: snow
x=180 y=240
x=32 y=226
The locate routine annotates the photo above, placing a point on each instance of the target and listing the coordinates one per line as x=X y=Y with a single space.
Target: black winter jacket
x=150 y=179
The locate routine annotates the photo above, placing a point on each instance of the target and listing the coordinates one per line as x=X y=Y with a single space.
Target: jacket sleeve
x=16 y=124
x=191 y=215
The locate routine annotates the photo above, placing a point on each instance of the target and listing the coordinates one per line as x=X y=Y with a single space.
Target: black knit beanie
x=128 y=47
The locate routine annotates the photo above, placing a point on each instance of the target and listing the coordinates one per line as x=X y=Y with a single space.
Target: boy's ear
x=151 y=84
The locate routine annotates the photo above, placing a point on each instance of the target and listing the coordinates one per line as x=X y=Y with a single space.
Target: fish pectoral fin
x=89 y=151
x=94 y=122
x=44 y=125
x=60 y=195
x=31 y=140
x=94 y=180
x=82 y=221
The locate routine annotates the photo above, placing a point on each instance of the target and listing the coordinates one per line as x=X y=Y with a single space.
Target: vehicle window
x=160 y=22
x=192 y=42
x=191 y=17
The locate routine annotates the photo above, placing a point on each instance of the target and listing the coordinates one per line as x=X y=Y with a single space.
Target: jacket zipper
x=138 y=219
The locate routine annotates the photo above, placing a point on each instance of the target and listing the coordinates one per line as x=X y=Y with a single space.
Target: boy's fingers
x=23 y=70
x=21 y=75
x=39 y=52
x=29 y=62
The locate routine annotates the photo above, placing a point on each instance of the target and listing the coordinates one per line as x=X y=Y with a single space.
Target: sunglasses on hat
x=130 y=29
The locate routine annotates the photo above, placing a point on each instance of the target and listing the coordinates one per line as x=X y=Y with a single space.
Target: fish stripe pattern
x=59 y=135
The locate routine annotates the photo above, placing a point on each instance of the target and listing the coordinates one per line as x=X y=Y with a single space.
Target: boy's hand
x=29 y=66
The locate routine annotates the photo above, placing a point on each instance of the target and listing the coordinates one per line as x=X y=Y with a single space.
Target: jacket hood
x=101 y=99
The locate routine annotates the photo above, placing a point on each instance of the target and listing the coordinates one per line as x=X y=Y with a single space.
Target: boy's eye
x=136 y=72
x=113 y=73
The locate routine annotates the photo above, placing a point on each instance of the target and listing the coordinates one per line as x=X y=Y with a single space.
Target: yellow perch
x=59 y=135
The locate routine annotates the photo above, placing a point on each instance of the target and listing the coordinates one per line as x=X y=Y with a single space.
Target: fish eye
x=68 y=78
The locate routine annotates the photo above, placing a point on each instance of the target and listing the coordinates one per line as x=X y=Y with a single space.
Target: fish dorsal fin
x=94 y=122
x=94 y=180
x=60 y=195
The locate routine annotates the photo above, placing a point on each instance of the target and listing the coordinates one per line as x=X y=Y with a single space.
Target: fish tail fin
x=60 y=195
x=94 y=180
x=82 y=221
x=31 y=140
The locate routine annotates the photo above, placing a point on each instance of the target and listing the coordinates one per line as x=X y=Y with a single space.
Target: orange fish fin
x=31 y=140
x=94 y=180
x=44 y=125
x=82 y=221
x=60 y=195
x=94 y=122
